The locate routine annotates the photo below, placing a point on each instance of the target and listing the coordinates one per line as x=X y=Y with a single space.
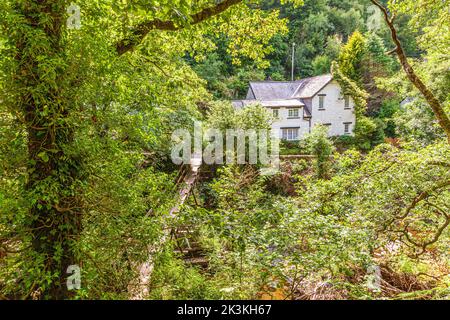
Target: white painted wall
x=334 y=112
x=284 y=122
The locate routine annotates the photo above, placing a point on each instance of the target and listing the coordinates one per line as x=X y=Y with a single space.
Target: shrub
x=318 y=144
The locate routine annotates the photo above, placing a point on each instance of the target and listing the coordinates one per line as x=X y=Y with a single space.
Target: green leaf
x=44 y=156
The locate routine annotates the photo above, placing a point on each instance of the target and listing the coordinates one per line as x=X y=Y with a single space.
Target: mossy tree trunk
x=54 y=172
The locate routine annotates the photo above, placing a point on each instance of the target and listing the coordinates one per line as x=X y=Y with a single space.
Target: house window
x=322 y=102
x=276 y=113
x=294 y=113
x=290 y=134
x=347 y=127
x=347 y=102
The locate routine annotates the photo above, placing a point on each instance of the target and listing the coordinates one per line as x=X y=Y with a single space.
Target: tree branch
x=442 y=117
x=141 y=30
x=422 y=196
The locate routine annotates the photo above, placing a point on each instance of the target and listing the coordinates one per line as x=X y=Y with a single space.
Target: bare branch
x=141 y=30
x=436 y=237
x=391 y=51
x=422 y=196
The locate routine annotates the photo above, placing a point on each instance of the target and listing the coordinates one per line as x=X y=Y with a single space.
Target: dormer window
x=276 y=113
x=322 y=101
x=294 y=113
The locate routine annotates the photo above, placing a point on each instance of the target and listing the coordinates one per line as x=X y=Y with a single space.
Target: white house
x=300 y=105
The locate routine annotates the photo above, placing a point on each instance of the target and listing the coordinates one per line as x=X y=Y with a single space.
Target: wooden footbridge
x=185 y=183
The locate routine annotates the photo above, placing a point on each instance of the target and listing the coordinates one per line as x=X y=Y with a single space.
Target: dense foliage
x=86 y=179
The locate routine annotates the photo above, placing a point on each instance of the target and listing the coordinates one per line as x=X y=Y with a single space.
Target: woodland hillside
x=92 y=206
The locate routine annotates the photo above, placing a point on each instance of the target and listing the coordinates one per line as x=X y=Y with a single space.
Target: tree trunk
x=55 y=218
x=54 y=174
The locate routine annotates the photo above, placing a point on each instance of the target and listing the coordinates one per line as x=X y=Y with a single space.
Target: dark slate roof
x=278 y=90
x=311 y=86
x=239 y=104
x=273 y=90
